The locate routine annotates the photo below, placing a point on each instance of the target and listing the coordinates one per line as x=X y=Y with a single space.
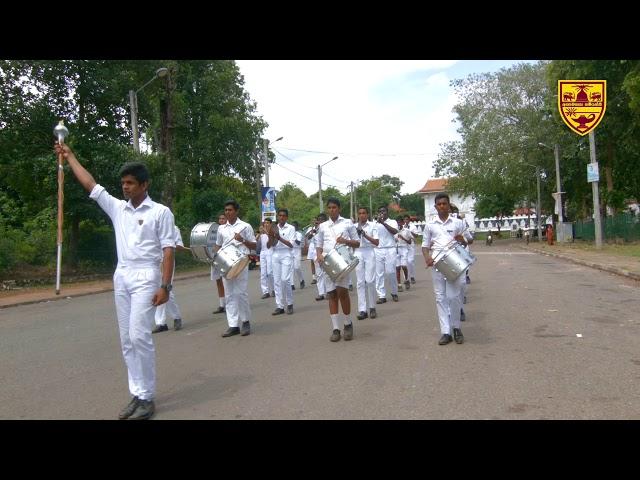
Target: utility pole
x=538 y=213
x=596 y=192
x=320 y=187
x=351 y=201
x=265 y=156
x=133 y=106
x=556 y=152
x=257 y=159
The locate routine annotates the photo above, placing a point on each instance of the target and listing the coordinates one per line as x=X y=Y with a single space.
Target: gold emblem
x=582 y=103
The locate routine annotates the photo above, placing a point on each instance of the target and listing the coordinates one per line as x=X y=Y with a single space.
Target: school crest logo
x=582 y=103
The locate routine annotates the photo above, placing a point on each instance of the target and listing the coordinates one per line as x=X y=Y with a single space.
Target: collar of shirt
x=147 y=202
x=437 y=219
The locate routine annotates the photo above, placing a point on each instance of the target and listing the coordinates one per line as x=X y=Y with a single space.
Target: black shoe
x=293 y=287
x=245 y=329
x=444 y=339
x=381 y=300
x=302 y=284
x=265 y=295
x=457 y=335
x=413 y=280
x=289 y=309
x=177 y=324
x=464 y=300
x=160 y=328
x=468 y=280
x=278 y=311
x=273 y=294
x=462 y=315
x=394 y=297
x=372 y=313
x=314 y=281
x=219 y=310
x=362 y=315
x=351 y=290
x=231 y=331
x=144 y=410
x=348 y=332
x=335 y=336
x=407 y=284
x=127 y=411
x=319 y=297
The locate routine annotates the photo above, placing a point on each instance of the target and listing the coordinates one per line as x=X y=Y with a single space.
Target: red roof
x=434 y=185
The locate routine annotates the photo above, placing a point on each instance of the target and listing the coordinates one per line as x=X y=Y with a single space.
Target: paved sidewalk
x=619 y=264
x=24 y=296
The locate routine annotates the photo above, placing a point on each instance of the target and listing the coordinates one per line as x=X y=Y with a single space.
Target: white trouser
x=282 y=272
x=266 y=273
x=385 y=266
x=297 y=268
x=411 y=261
x=366 y=278
x=171 y=307
x=236 y=298
x=447 y=300
x=320 y=277
x=133 y=290
x=401 y=258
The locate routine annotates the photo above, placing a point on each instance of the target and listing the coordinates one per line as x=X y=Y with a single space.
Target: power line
x=304 y=176
x=293 y=161
x=367 y=154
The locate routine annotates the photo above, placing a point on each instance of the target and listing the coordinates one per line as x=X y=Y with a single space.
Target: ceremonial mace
x=61 y=132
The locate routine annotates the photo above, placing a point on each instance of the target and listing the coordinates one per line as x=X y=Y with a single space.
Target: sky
x=379 y=117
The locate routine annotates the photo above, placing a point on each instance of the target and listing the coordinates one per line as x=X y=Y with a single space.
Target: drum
x=453 y=261
x=230 y=261
x=203 y=238
x=339 y=262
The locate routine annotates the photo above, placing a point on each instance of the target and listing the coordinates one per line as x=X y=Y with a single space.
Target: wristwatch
x=168 y=287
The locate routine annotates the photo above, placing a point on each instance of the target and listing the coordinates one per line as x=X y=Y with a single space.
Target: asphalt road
x=544 y=339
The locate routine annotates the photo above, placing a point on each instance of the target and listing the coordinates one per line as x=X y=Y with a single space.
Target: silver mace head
x=60 y=131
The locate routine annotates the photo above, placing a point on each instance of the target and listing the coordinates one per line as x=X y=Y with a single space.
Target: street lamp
x=538 y=202
x=320 y=181
x=133 y=106
x=265 y=154
x=556 y=152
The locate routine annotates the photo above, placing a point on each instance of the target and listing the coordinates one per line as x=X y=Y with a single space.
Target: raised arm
x=81 y=173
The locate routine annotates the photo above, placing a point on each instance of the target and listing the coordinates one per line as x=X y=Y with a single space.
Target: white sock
x=221 y=302
x=346 y=318
x=335 y=321
x=314 y=276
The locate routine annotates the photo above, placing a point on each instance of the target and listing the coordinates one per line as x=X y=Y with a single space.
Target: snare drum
x=453 y=261
x=339 y=262
x=203 y=238
x=230 y=261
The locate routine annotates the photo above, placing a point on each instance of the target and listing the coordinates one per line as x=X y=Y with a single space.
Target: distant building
x=465 y=205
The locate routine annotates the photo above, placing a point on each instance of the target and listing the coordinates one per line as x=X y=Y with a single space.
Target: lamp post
x=265 y=154
x=538 y=202
x=320 y=180
x=133 y=106
x=556 y=152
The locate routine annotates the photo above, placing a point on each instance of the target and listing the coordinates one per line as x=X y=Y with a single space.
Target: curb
x=92 y=292
x=605 y=268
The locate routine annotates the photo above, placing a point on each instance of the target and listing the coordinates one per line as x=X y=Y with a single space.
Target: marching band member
x=281 y=241
x=216 y=276
x=411 y=255
x=337 y=230
x=404 y=241
x=298 y=243
x=266 y=265
x=385 y=254
x=312 y=254
x=366 y=268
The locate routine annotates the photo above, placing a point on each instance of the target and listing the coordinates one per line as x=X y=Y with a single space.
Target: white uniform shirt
x=178 y=237
x=264 y=251
x=404 y=233
x=441 y=233
x=227 y=231
x=288 y=233
x=141 y=233
x=300 y=238
x=387 y=239
x=371 y=229
x=329 y=231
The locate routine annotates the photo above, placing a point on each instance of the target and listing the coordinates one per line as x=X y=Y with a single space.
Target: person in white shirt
x=145 y=238
x=386 y=254
x=240 y=234
x=311 y=254
x=266 y=265
x=366 y=269
x=171 y=307
x=438 y=234
x=404 y=241
x=298 y=244
x=216 y=276
x=411 y=255
x=281 y=241
x=337 y=230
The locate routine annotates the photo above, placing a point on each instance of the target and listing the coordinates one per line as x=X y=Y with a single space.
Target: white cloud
x=363 y=111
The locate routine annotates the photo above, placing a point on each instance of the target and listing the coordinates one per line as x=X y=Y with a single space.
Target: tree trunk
x=166 y=138
x=609 y=177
